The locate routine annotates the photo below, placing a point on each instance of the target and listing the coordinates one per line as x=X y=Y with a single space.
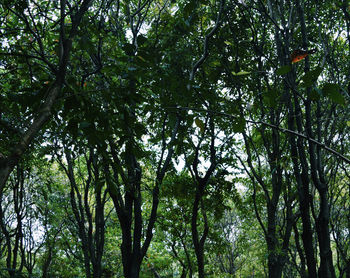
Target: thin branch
x=206 y=41
x=285 y=130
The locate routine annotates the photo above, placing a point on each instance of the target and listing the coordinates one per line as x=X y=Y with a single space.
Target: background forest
x=173 y=138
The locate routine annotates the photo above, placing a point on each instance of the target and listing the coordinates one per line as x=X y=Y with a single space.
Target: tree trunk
x=5 y=170
x=300 y=252
x=47 y=263
x=184 y=272
x=274 y=260
x=197 y=241
x=99 y=237
x=347 y=270
x=326 y=269
x=131 y=267
x=275 y=268
x=300 y=168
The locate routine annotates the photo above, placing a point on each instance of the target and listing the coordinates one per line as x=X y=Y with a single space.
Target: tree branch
x=206 y=42
x=285 y=130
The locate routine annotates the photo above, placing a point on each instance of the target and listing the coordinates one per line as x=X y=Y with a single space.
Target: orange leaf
x=300 y=54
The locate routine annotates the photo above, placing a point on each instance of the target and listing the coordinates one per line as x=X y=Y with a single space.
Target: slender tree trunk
x=7 y=236
x=128 y=206
x=131 y=238
x=5 y=169
x=326 y=269
x=274 y=260
x=300 y=169
x=47 y=263
x=76 y=204
x=9 y=250
x=347 y=270
x=184 y=272
x=277 y=251
x=188 y=259
x=198 y=241
x=99 y=233
x=131 y=263
x=300 y=252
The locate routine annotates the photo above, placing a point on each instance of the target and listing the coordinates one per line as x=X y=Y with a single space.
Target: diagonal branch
x=206 y=42
x=285 y=130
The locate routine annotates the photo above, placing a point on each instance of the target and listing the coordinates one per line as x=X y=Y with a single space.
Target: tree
x=89 y=215
x=29 y=43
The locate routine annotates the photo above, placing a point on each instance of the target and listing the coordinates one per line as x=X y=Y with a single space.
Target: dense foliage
x=163 y=138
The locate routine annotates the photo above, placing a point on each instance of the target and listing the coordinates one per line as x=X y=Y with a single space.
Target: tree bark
x=326 y=269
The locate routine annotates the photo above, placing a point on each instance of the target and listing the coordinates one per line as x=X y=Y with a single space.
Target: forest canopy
x=171 y=138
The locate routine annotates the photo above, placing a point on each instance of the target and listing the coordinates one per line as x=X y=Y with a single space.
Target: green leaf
x=315 y=94
x=348 y=123
x=333 y=92
x=188 y=10
x=71 y=104
x=215 y=63
x=84 y=124
x=141 y=40
x=241 y=73
x=271 y=98
x=141 y=58
x=283 y=70
x=238 y=125
x=72 y=127
x=200 y=124
x=204 y=2
x=311 y=77
x=129 y=49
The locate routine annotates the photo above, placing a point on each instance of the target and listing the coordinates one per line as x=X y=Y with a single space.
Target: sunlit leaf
x=200 y=124
x=241 y=73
